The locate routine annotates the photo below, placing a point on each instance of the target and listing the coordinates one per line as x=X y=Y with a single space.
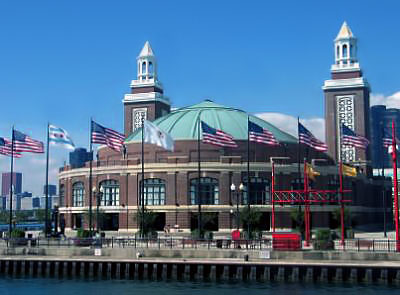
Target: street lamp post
x=233 y=189
x=98 y=200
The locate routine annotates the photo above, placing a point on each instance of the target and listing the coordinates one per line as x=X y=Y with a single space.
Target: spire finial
x=146 y=50
x=344 y=32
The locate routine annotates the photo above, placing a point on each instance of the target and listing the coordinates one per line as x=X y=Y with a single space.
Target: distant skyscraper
x=52 y=190
x=6 y=181
x=381 y=117
x=346 y=99
x=79 y=157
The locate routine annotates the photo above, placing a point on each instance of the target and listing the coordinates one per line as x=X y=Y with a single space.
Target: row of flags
x=220 y=138
x=154 y=135
x=346 y=171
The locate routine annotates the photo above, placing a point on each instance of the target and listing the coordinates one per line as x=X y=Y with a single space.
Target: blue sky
x=65 y=61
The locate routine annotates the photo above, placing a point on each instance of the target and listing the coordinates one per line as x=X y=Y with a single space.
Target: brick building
x=170 y=179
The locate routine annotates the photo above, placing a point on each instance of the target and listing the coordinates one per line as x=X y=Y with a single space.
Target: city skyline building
x=79 y=157
x=6 y=181
x=381 y=118
x=52 y=189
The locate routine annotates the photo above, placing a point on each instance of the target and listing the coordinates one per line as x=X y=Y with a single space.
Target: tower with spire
x=346 y=99
x=146 y=101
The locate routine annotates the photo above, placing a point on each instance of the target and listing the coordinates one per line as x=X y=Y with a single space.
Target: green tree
x=208 y=222
x=250 y=218
x=40 y=215
x=297 y=217
x=147 y=222
x=348 y=222
x=86 y=217
x=4 y=216
x=21 y=216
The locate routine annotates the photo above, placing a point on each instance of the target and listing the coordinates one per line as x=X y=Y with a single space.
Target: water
x=36 y=286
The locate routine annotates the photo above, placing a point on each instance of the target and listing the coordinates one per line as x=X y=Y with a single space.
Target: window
x=259 y=191
x=151 y=68
x=344 y=51
x=209 y=191
x=144 y=68
x=138 y=116
x=78 y=193
x=110 y=196
x=337 y=52
x=62 y=195
x=154 y=191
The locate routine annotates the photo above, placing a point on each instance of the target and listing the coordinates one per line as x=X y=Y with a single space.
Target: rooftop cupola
x=345 y=49
x=146 y=64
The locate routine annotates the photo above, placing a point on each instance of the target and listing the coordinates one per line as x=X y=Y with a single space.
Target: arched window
x=62 y=195
x=151 y=70
x=344 y=51
x=209 y=191
x=78 y=194
x=337 y=52
x=154 y=191
x=351 y=50
x=144 y=70
x=259 y=191
x=110 y=196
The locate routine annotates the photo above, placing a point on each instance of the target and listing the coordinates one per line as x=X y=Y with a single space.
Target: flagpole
x=273 y=195
x=298 y=160
x=383 y=183
x=46 y=223
x=11 y=182
x=341 y=201
x=396 y=202
x=142 y=184
x=90 y=178
x=298 y=152
x=248 y=176
x=198 y=178
x=306 y=207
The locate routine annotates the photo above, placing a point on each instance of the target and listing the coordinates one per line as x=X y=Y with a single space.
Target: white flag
x=154 y=135
x=58 y=135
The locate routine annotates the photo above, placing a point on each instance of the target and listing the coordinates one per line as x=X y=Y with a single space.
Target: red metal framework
x=307 y=197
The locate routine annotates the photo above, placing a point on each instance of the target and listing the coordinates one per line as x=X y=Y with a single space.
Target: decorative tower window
x=345 y=115
x=138 y=116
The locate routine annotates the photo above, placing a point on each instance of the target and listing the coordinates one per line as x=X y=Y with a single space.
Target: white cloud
x=391 y=101
x=288 y=123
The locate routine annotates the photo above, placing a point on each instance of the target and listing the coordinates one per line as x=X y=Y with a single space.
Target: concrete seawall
x=129 y=253
x=198 y=264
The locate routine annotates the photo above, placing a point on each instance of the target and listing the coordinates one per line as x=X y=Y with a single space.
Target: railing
x=357 y=245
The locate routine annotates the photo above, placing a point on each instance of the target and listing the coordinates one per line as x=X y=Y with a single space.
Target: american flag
x=349 y=137
x=24 y=144
x=216 y=137
x=5 y=148
x=387 y=138
x=306 y=137
x=107 y=136
x=261 y=135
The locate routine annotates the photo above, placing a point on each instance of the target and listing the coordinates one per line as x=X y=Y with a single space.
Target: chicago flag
x=59 y=136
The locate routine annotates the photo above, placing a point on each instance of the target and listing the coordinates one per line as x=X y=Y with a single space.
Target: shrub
x=323 y=240
x=17 y=233
x=83 y=233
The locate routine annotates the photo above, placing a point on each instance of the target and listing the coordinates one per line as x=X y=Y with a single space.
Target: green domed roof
x=182 y=123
